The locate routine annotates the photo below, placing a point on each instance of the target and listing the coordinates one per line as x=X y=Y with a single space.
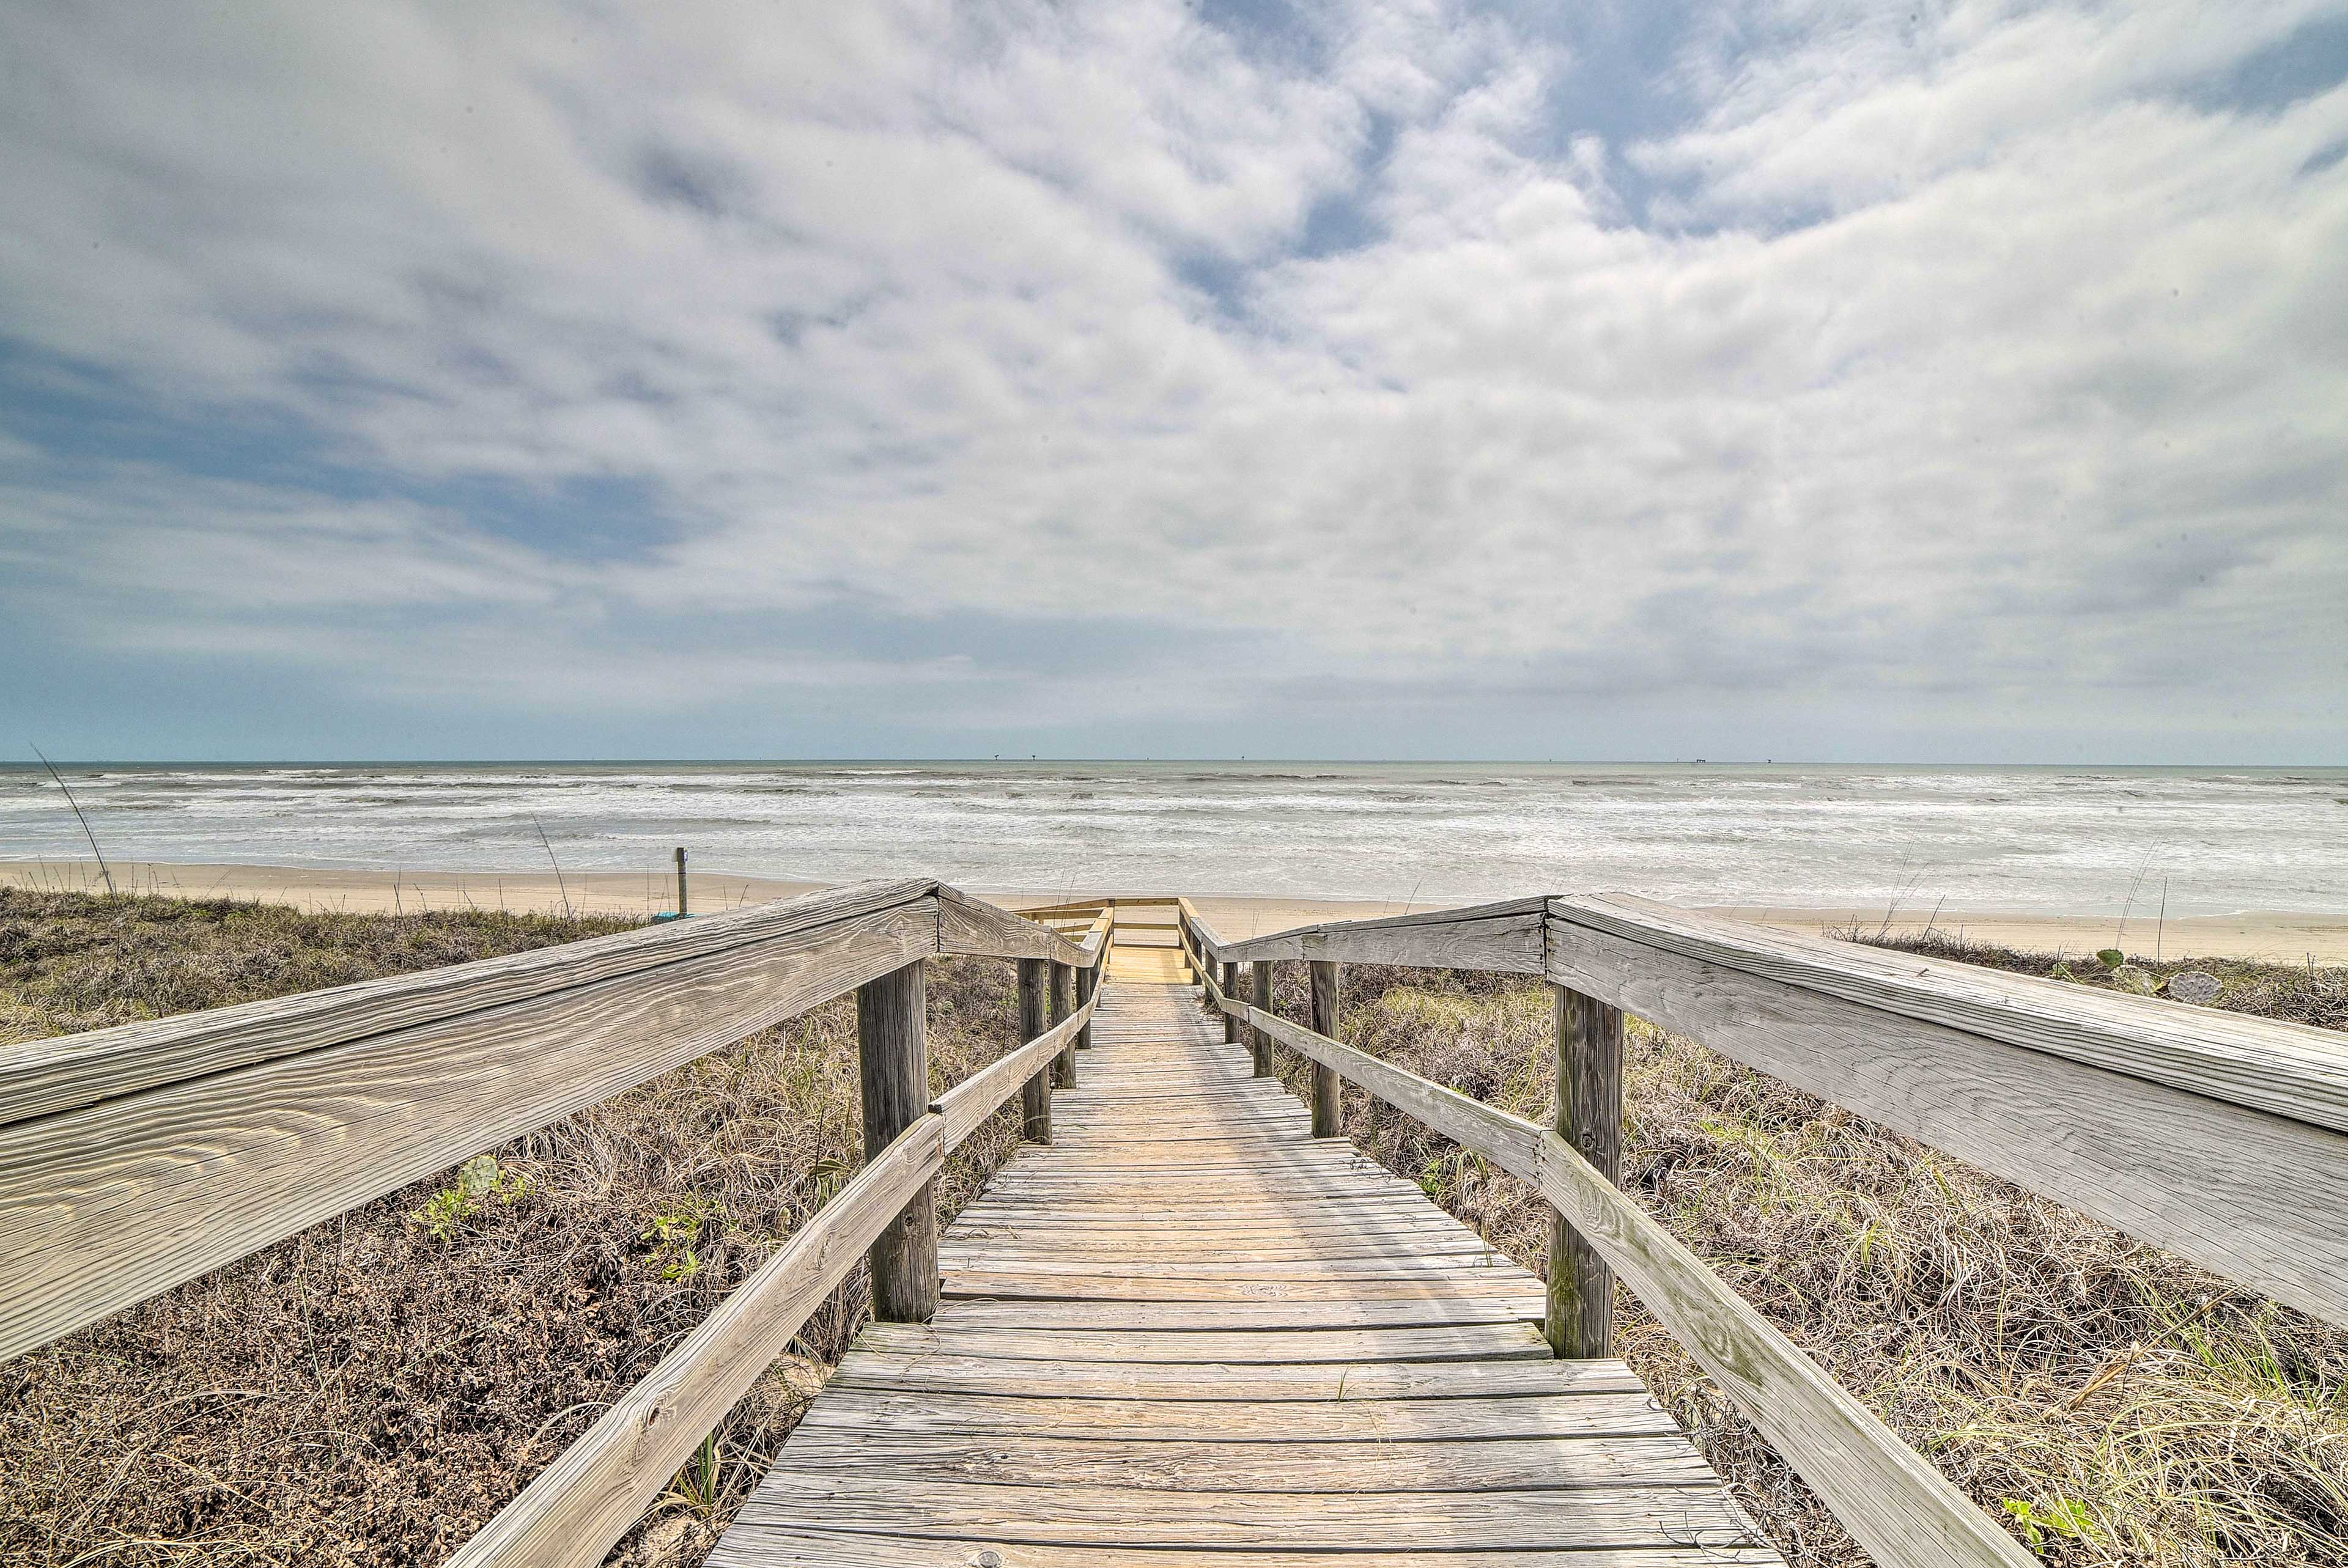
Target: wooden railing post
x=1261 y=971
x=1325 y=1021
x=1035 y=1094
x=892 y=1054
x=1589 y=1117
x=1063 y=1069
x=1087 y=977
x=1230 y=990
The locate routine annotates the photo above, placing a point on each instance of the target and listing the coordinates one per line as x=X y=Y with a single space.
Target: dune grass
x=371 y=1391
x=2111 y=1403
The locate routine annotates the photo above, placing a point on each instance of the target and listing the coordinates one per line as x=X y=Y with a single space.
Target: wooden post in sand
x=1325 y=1021
x=1064 y=1066
x=893 y=1055
x=1231 y=990
x=1087 y=977
x=1035 y=1094
x=1261 y=971
x=1580 y=1319
x=680 y=881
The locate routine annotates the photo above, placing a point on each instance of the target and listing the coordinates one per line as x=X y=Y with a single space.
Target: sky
x=1790 y=378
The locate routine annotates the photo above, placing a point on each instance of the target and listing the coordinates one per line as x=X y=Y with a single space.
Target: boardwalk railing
x=134 y=1159
x=2215 y=1135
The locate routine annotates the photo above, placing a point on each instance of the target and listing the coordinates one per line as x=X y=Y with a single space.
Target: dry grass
x=2107 y=1399
x=371 y=1391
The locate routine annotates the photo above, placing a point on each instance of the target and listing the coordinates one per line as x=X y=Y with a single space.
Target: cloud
x=1979 y=369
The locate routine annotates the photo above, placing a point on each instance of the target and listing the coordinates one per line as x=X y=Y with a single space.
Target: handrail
x=1900 y=1509
x=596 y=1490
x=2209 y=1134
x=143 y=1156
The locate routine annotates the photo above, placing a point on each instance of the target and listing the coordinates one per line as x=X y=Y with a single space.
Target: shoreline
x=2275 y=936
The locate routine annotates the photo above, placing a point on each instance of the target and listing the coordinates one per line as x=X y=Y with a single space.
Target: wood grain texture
x=2287 y=1069
x=893 y=1058
x=1259 y=974
x=2243 y=1192
x=43 y=1077
x=594 y=1492
x=972 y=925
x=109 y=1204
x=1035 y=1010
x=1064 y=1066
x=1893 y=1501
x=1589 y=1115
x=1326 y=1122
x=1505 y=936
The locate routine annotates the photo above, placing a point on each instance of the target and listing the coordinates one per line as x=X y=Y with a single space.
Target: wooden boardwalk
x=1187 y=1332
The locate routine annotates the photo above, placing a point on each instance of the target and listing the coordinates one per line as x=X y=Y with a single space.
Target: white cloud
x=1949 y=363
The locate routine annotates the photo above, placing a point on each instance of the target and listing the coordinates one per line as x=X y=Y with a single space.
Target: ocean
x=2076 y=840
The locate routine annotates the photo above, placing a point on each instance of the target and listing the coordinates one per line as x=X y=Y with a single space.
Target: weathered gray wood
x=892 y=1056
x=1086 y=979
x=1035 y=1097
x=2289 y=1070
x=1312 y=1366
x=972 y=925
x=2248 y=1194
x=1505 y=936
x=594 y=1492
x=682 y=910
x=1589 y=1115
x=109 y=1204
x=1064 y=1067
x=1053 y=1457
x=1259 y=971
x=44 y=1077
x=809 y=1545
x=1895 y=1504
x=1229 y=988
x=1107 y=1517
x=1326 y=1120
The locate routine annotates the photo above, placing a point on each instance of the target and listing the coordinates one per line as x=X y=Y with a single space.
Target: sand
x=2281 y=935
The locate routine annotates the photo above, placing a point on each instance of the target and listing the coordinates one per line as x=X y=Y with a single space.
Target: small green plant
x=695 y=1488
x=478 y=1180
x=676 y=1233
x=2064 y=1519
x=2110 y=958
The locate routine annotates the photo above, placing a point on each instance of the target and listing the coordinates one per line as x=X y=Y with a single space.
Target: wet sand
x=2283 y=937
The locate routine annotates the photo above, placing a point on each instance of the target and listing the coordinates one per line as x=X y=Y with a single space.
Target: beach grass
x=2110 y=1402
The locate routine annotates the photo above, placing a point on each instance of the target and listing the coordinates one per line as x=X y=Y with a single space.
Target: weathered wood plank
x=1105 y=1516
x=2290 y=1070
x=109 y=1203
x=986 y=1092
x=2239 y=1189
x=809 y=1545
x=43 y=1077
x=972 y=925
x=1381 y=1466
x=1362 y=1364
x=1505 y=936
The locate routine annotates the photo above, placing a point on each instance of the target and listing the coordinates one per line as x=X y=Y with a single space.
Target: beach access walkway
x=1186 y=1332
x=1190 y=1323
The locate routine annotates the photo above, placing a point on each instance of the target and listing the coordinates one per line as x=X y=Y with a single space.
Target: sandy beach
x=2283 y=937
